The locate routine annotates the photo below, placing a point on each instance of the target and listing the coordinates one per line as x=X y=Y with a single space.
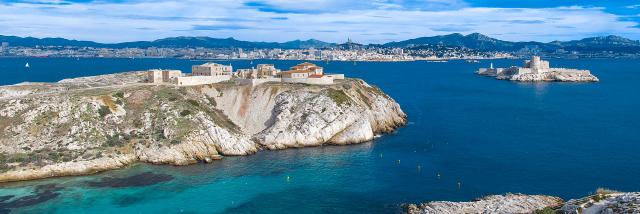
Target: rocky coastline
x=603 y=201
x=91 y=124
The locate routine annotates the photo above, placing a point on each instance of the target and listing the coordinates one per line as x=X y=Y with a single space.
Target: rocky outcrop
x=602 y=202
x=551 y=76
x=605 y=202
x=509 y=203
x=85 y=125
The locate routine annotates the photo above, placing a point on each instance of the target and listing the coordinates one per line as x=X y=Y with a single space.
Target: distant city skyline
x=379 y=21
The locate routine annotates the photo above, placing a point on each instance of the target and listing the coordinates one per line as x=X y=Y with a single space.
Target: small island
x=535 y=70
x=91 y=124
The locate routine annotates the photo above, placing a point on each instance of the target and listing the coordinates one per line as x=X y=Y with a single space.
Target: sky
x=374 y=21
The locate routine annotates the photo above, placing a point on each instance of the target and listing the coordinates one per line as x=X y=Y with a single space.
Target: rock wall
x=80 y=126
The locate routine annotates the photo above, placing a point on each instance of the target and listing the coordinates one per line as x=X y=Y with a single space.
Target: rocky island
x=536 y=70
x=602 y=201
x=91 y=124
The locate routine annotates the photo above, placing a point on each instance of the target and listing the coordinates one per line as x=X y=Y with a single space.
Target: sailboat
x=26 y=65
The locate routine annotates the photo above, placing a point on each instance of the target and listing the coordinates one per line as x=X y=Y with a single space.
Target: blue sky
x=375 y=21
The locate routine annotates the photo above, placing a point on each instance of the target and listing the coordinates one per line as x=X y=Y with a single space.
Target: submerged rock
x=92 y=124
x=41 y=194
x=142 y=179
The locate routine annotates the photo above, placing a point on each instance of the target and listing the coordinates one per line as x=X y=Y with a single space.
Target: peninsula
x=91 y=124
x=538 y=70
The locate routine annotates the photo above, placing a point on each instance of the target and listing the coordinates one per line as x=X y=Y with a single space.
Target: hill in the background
x=474 y=41
x=482 y=42
x=172 y=42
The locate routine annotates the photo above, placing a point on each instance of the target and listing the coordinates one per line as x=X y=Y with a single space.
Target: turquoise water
x=467 y=136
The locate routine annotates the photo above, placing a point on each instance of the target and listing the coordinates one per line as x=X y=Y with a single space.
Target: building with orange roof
x=303 y=70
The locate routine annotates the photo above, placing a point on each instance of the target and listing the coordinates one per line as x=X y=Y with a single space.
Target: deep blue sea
x=468 y=136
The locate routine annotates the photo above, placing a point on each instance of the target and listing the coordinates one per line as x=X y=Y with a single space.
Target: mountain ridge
x=476 y=41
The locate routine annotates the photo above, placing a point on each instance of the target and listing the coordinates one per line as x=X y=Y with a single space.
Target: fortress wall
x=568 y=70
x=199 y=80
x=258 y=81
x=336 y=76
x=326 y=80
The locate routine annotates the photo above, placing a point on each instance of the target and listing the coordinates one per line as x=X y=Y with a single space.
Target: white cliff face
x=306 y=119
x=87 y=128
x=509 y=203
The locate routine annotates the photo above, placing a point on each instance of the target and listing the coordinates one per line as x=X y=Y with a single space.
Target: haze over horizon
x=379 y=21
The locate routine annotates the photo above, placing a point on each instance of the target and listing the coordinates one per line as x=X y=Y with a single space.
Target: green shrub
x=339 y=97
x=546 y=210
x=113 y=141
x=119 y=94
x=194 y=103
x=104 y=111
x=185 y=113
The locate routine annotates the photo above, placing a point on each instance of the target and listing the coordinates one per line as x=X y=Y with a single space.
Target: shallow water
x=480 y=135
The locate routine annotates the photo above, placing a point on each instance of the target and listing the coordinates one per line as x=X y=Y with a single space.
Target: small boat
x=26 y=65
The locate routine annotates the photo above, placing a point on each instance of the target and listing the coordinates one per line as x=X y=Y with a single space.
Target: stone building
x=211 y=69
x=158 y=76
x=262 y=71
x=303 y=70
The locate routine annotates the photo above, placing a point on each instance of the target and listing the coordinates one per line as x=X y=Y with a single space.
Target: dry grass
x=106 y=99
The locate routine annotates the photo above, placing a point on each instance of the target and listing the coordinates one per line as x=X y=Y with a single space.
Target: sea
x=467 y=136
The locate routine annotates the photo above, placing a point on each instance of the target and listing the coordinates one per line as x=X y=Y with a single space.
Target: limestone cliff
x=86 y=125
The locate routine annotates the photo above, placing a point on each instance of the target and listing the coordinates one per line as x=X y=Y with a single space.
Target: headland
x=91 y=124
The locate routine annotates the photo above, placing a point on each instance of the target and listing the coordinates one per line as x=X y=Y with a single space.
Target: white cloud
x=635 y=6
x=381 y=21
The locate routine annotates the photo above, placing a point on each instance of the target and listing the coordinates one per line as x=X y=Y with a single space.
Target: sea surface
x=467 y=136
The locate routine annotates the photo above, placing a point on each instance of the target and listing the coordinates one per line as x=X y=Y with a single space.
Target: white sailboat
x=26 y=65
